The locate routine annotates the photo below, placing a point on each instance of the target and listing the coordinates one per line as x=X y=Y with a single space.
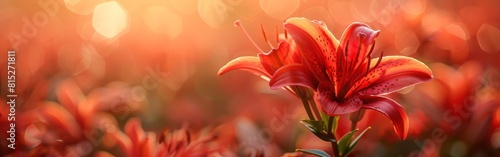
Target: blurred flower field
x=140 y=78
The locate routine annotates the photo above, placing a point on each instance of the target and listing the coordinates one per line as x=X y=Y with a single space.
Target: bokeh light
x=488 y=37
x=212 y=12
x=82 y=7
x=109 y=19
x=277 y=9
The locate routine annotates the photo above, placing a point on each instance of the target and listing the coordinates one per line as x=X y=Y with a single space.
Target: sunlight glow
x=109 y=19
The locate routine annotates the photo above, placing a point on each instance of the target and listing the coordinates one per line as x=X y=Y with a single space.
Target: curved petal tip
x=390 y=109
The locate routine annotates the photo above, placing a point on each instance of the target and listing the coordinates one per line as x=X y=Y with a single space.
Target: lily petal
x=392 y=110
x=149 y=144
x=392 y=74
x=353 y=34
x=277 y=58
x=123 y=141
x=70 y=95
x=356 y=45
x=247 y=63
x=135 y=132
x=57 y=116
x=315 y=42
x=331 y=106
x=293 y=74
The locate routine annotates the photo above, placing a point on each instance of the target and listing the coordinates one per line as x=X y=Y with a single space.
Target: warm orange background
x=164 y=55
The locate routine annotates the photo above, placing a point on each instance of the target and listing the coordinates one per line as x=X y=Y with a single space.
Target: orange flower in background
x=75 y=120
x=342 y=73
x=134 y=141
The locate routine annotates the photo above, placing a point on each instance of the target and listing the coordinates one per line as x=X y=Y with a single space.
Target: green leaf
x=335 y=124
x=316 y=152
x=316 y=127
x=324 y=118
x=353 y=143
x=345 y=142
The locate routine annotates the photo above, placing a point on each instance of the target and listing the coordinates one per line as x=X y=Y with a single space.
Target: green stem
x=353 y=125
x=304 y=100
x=355 y=121
x=308 y=110
x=313 y=105
x=335 y=146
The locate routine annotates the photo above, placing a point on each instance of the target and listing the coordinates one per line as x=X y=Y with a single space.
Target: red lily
x=342 y=73
x=265 y=64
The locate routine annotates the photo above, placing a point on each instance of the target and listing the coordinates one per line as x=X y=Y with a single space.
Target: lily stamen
x=265 y=37
x=355 y=60
x=368 y=59
x=277 y=34
x=238 y=24
x=378 y=61
x=353 y=66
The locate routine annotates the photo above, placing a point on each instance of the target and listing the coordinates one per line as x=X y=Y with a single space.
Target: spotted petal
x=293 y=74
x=247 y=63
x=392 y=74
x=355 y=49
x=390 y=109
x=317 y=45
x=333 y=106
